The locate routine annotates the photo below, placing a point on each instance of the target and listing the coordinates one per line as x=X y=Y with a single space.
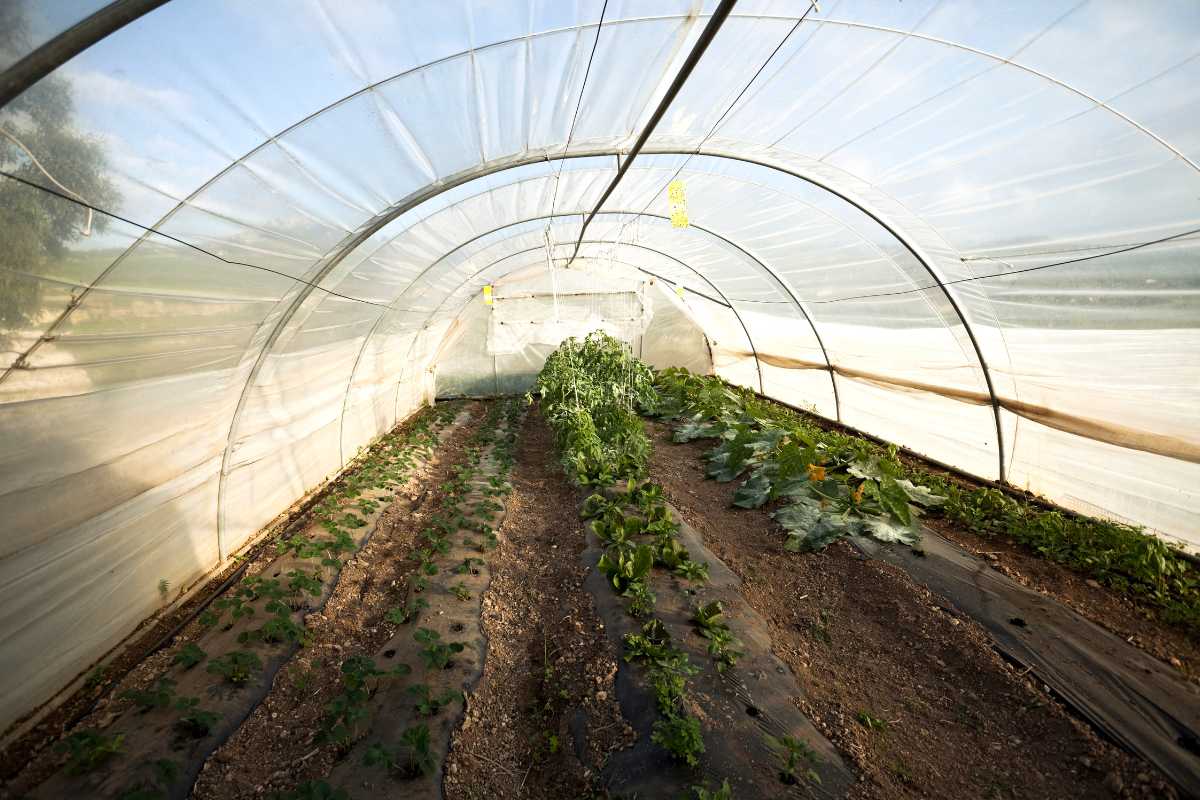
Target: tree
x=37 y=228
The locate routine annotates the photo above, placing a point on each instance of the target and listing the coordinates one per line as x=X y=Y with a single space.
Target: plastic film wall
x=238 y=242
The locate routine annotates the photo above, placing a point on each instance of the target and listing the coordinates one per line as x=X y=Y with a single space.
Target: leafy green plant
x=402 y=615
x=348 y=708
x=797 y=759
x=641 y=600
x=693 y=570
x=429 y=704
x=303 y=581
x=158 y=695
x=624 y=567
x=721 y=643
x=461 y=591
x=680 y=736
x=435 y=653
x=470 y=564
x=193 y=720
x=280 y=628
x=88 y=749
x=870 y=722
x=704 y=793
x=189 y=655
x=236 y=666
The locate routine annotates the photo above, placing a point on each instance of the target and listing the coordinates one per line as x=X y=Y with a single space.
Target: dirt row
x=544 y=717
x=909 y=690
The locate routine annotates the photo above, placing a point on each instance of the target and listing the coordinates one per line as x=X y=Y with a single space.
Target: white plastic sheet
x=966 y=227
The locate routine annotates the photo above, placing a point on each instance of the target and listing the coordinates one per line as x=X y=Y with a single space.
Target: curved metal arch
x=749 y=256
x=429 y=192
x=1001 y=60
x=724 y=300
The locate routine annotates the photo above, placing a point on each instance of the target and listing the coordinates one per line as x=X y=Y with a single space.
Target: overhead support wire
x=693 y=58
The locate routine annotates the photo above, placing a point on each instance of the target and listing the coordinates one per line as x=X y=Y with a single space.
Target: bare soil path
x=544 y=717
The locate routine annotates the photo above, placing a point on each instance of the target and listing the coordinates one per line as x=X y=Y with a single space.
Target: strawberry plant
x=429 y=704
x=435 y=653
x=236 y=666
x=193 y=720
x=402 y=615
x=88 y=749
x=189 y=656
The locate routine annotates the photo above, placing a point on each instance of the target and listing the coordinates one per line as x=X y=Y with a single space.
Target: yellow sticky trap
x=675 y=193
x=487 y=294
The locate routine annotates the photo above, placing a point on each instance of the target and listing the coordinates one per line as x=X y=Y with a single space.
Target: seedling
x=435 y=654
x=237 y=606
x=470 y=564
x=641 y=600
x=428 y=704
x=195 y=721
x=236 y=666
x=721 y=643
x=797 y=758
x=870 y=722
x=88 y=749
x=402 y=615
x=158 y=695
x=302 y=581
x=703 y=792
x=189 y=656
x=461 y=591
x=695 y=571
x=280 y=628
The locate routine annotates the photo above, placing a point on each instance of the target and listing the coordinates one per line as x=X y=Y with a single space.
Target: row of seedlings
x=399 y=706
x=590 y=391
x=225 y=663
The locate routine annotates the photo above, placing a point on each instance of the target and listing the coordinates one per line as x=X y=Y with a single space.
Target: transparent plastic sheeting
x=532 y=312
x=961 y=226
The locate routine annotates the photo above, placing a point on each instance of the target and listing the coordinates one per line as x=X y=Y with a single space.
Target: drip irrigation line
x=706 y=36
x=177 y=240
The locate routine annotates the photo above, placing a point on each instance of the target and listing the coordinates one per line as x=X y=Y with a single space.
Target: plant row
x=469 y=497
x=837 y=483
x=591 y=394
x=278 y=599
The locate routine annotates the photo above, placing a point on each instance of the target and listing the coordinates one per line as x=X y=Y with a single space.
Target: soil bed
x=909 y=690
x=277 y=746
x=544 y=717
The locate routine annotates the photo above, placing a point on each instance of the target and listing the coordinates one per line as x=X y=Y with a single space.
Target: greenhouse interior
x=600 y=399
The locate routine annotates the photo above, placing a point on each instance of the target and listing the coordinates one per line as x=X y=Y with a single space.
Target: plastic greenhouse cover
x=970 y=228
